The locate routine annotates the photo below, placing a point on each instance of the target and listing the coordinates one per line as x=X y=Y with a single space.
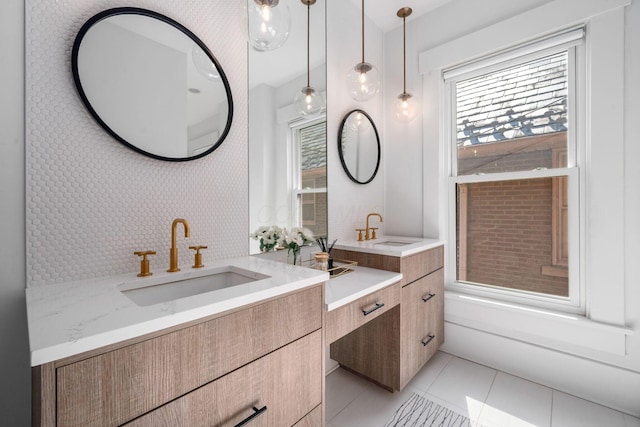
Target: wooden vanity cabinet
x=210 y=372
x=392 y=348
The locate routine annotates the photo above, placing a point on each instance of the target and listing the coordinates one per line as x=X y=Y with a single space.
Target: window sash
x=295 y=173
x=575 y=302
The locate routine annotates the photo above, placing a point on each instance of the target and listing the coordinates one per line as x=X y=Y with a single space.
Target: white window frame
x=294 y=175
x=602 y=328
x=572 y=42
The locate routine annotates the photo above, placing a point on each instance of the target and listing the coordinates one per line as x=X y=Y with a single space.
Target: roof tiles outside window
x=525 y=100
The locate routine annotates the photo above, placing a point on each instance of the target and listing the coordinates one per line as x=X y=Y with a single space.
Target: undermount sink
x=221 y=278
x=393 y=243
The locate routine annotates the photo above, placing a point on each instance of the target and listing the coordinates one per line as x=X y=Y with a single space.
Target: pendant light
x=269 y=24
x=405 y=105
x=363 y=78
x=308 y=101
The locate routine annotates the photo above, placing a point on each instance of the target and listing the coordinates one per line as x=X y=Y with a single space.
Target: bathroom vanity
x=391 y=347
x=240 y=340
x=99 y=358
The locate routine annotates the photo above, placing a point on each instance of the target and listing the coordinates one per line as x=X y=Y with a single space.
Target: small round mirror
x=359 y=146
x=152 y=84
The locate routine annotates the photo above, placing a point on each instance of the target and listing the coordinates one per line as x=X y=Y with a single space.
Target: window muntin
x=513 y=134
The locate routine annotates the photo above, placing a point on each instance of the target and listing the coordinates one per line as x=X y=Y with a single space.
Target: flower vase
x=293 y=257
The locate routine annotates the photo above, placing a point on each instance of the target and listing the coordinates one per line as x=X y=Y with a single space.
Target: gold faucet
x=367 y=236
x=173 y=253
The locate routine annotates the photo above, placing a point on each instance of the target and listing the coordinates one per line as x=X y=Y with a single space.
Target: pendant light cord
x=308 y=36
x=363 y=31
x=404 y=55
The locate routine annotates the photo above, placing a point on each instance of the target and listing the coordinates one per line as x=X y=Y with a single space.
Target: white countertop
x=360 y=282
x=71 y=318
x=397 y=246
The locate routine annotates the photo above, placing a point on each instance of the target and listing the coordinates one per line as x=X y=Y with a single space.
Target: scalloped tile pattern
x=90 y=201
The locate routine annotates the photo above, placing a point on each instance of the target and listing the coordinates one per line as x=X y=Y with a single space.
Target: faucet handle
x=359 y=230
x=198 y=258
x=144 y=262
x=373 y=232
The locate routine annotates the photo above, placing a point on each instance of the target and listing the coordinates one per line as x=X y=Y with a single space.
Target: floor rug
x=418 y=411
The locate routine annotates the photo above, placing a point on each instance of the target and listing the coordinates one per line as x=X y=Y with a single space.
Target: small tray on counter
x=340 y=266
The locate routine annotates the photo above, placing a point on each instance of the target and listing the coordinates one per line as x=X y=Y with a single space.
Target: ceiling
x=281 y=65
x=383 y=12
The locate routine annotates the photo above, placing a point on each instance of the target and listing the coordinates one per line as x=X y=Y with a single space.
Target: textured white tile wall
x=90 y=201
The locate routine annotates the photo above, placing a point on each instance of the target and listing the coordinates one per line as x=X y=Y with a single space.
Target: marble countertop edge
x=68 y=319
x=410 y=246
x=352 y=286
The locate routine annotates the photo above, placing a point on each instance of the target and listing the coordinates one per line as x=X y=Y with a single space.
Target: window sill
x=559 y=331
x=555 y=271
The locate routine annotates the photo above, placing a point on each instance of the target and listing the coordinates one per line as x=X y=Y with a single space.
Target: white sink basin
x=399 y=246
x=393 y=243
x=155 y=293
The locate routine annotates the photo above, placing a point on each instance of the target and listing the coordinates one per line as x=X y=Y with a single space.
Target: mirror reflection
x=359 y=147
x=288 y=151
x=181 y=113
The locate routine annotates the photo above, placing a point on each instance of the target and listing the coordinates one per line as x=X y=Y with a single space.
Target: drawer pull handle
x=256 y=413
x=374 y=308
x=428 y=340
x=428 y=297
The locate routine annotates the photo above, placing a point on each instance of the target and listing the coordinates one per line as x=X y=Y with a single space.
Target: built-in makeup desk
x=388 y=330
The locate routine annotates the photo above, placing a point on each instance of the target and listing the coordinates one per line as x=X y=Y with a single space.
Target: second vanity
x=388 y=334
x=102 y=355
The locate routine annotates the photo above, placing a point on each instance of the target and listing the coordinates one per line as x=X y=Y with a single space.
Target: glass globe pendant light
x=308 y=101
x=405 y=105
x=269 y=24
x=363 y=79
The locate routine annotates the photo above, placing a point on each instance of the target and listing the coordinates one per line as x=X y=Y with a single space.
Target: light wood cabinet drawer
x=312 y=419
x=418 y=265
x=117 y=386
x=278 y=389
x=349 y=317
x=422 y=322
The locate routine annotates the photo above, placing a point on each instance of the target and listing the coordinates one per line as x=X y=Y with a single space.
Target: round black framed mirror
x=359 y=146
x=152 y=84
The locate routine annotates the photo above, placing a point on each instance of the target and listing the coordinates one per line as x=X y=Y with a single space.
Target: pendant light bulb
x=363 y=79
x=405 y=106
x=269 y=24
x=308 y=102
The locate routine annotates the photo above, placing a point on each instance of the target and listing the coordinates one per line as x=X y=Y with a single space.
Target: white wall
x=15 y=390
x=91 y=202
x=555 y=353
x=349 y=203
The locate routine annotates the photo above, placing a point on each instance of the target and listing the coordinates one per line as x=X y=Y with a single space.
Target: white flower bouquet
x=269 y=237
x=294 y=239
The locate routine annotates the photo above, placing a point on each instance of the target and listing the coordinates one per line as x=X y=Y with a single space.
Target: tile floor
x=490 y=397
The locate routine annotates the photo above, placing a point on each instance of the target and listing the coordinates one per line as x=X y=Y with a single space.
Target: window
x=514 y=173
x=309 y=176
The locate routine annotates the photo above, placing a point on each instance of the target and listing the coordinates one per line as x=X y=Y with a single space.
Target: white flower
x=296 y=237
x=268 y=236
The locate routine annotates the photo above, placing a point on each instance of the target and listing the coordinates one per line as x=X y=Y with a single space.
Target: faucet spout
x=173 y=252
x=367 y=236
